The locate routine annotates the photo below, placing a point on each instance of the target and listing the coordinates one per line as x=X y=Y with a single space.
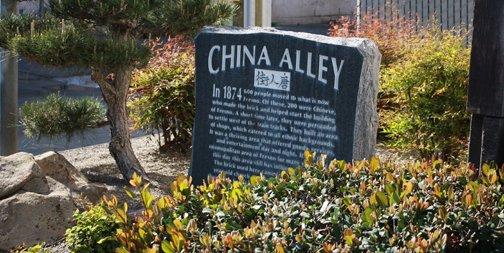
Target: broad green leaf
x=367 y=217
x=382 y=198
x=394 y=198
x=485 y=169
x=147 y=196
x=167 y=247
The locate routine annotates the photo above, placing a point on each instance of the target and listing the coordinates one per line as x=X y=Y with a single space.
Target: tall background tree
x=110 y=37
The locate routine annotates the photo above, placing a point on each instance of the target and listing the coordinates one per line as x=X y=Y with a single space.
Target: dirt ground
x=99 y=166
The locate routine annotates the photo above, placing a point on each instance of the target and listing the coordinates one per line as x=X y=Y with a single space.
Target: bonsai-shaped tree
x=109 y=37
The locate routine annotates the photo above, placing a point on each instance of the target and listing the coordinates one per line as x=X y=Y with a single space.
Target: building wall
x=289 y=12
x=28 y=7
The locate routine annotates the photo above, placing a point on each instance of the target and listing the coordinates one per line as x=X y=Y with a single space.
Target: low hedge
x=323 y=206
x=56 y=114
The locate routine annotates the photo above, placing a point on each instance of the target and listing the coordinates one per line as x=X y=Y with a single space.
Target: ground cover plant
x=56 y=114
x=423 y=86
x=162 y=97
x=321 y=206
x=93 y=232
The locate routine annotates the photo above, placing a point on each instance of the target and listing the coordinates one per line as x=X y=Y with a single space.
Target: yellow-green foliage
x=94 y=232
x=39 y=248
x=164 y=100
x=367 y=206
x=426 y=92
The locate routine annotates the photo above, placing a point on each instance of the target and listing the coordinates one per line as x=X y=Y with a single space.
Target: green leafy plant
x=94 y=232
x=423 y=84
x=39 y=248
x=366 y=206
x=56 y=114
x=428 y=96
x=163 y=94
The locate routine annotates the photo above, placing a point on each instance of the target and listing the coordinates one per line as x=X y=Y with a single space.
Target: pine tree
x=109 y=37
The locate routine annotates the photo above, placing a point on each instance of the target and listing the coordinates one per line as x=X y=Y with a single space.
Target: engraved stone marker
x=265 y=96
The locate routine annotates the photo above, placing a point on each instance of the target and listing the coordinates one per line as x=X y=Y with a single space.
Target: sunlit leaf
x=167 y=247
x=382 y=198
x=136 y=180
x=374 y=163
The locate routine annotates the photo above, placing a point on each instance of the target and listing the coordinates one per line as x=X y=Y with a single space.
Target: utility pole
x=263 y=13
x=249 y=13
x=486 y=84
x=8 y=91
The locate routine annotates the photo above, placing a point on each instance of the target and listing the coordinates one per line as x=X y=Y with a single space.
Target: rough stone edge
x=366 y=117
x=349 y=42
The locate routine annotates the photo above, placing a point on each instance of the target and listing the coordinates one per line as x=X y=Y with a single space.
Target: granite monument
x=264 y=96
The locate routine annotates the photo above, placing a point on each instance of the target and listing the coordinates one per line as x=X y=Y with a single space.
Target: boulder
x=28 y=218
x=56 y=166
x=38 y=197
x=18 y=170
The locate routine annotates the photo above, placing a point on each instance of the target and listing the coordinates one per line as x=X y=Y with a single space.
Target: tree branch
x=107 y=88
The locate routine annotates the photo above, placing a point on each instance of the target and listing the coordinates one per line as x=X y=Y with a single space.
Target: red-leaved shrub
x=162 y=96
x=393 y=37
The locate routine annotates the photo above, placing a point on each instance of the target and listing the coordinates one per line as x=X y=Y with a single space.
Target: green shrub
x=94 y=232
x=423 y=84
x=322 y=207
x=427 y=96
x=56 y=115
x=38 y=248
x=163 y=95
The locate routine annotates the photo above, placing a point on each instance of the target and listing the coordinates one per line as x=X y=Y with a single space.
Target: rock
x=29 y=218
x=38 y=197
x=18 y=170
x=56 y=166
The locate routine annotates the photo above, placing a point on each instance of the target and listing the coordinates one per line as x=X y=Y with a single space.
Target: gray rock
x=38 y=197
x=366 y=113
x=16 y=171
x=29 y=218
x=56 y=166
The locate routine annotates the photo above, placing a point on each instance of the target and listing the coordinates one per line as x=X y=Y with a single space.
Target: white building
x=291 y=12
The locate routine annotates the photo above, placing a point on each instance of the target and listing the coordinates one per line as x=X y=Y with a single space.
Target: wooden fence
x=447 y=13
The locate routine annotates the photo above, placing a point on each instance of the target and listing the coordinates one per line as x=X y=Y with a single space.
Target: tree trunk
x=115 y=96
x=486 y=84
